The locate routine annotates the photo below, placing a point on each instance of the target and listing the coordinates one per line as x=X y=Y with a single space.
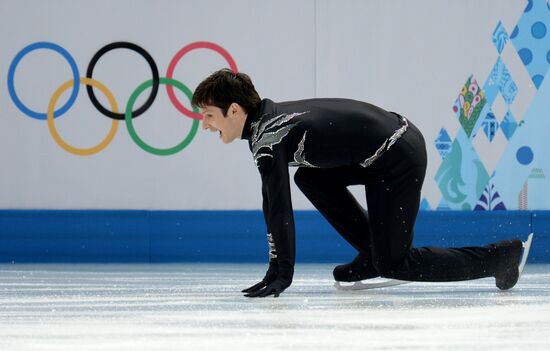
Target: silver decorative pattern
x=270 y=132
x=376 y=155
x=272 y=249
x=300 y=156
x=387 y=143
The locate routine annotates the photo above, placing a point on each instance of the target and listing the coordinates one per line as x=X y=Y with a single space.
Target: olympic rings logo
x=113 y=113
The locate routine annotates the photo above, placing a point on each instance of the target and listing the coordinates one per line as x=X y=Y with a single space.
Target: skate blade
x=526 y=248
x=360 y=285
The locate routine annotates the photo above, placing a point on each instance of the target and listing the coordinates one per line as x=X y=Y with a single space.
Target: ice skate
x=508 y=276
x=359 y=269
x=362 y=274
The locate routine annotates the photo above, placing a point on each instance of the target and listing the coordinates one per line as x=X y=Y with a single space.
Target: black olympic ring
x=154 y=71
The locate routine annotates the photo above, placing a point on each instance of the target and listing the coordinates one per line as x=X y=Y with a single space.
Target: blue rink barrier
x=128 y=236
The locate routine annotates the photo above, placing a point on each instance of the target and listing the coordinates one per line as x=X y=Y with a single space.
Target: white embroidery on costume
x=300 y=156
x=272 y=249
x=387 y=143
x=270 y=132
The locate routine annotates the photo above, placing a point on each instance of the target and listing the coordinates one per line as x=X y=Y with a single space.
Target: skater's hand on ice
x=272 y=284
x=275 y=288
x=269 y=278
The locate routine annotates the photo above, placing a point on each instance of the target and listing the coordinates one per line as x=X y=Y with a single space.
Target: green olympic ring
x=130 y=124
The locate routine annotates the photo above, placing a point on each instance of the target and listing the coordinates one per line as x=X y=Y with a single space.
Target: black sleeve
x=277 y=208
x=270 y=241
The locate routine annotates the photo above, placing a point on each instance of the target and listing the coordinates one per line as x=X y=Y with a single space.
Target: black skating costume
x=340 y=142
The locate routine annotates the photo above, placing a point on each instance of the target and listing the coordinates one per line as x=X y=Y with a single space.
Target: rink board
x=230 y=236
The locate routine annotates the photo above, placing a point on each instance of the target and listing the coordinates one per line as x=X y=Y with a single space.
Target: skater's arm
x=277 y=207
x=280 y=218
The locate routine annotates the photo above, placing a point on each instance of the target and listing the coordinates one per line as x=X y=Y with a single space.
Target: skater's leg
x=393 y=204
x=392 y=211
x=327 y=191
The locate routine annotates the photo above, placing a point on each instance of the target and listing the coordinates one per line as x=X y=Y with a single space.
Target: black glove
x=274 y=282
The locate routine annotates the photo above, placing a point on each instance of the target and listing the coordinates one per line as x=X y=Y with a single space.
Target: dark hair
x=224 y=87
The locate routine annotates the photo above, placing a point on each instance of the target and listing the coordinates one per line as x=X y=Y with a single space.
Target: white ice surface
x=200 y=307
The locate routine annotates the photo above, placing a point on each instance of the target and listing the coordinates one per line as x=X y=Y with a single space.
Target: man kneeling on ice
x=336 y=143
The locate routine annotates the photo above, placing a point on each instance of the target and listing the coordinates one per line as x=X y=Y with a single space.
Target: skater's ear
x=235 y=110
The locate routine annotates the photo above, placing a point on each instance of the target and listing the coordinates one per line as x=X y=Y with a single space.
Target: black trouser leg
x=392 y=212
x=327 y=191
x=393 y=199
x=393 y=189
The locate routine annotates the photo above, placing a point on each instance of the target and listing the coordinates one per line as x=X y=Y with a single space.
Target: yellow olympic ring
x=51 y=124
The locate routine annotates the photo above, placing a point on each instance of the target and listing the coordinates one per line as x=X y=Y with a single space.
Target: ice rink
x=200 y=307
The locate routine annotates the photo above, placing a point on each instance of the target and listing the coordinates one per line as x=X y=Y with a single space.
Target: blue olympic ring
x=11 y=73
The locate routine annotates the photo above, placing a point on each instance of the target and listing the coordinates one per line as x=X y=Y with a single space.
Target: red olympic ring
x=177 y=58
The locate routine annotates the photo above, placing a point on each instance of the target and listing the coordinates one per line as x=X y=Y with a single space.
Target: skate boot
x=509 y=253
x=359 y=269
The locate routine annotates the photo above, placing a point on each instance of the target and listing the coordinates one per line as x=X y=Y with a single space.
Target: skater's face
x=229 y=127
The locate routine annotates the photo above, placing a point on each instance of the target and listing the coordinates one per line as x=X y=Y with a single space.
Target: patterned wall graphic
x=470 y=175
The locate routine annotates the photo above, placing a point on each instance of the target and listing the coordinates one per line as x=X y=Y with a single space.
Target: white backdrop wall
x=407 y=56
